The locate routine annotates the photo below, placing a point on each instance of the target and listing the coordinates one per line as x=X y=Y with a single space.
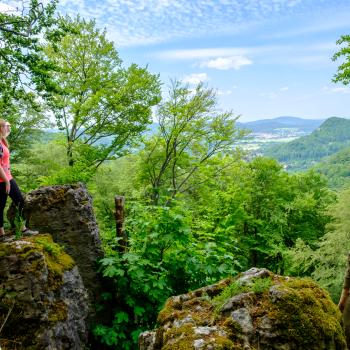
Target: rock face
x=66 y=213
x=43 y=302
x=256 y=310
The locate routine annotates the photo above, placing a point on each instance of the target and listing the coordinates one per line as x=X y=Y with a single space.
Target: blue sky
x=266 y=58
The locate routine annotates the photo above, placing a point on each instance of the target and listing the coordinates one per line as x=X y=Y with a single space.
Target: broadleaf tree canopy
x=100 y=98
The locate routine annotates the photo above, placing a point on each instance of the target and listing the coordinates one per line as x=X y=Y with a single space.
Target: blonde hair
x=3 y=122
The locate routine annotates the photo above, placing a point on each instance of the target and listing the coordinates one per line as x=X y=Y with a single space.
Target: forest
x=198 y=209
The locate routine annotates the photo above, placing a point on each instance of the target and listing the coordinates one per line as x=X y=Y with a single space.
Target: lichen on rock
x=255 y=310
x=42 y=294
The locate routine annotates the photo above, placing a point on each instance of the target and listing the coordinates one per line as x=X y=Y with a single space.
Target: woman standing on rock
x=8 y=186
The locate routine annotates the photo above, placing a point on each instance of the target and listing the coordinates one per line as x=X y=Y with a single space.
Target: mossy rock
x=255 y=310
x=35 y=276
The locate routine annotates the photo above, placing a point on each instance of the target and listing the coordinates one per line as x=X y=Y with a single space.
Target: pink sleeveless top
x=5 y=161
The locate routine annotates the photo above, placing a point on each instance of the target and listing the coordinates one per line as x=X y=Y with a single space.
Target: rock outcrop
x=256 y=310
x=66 y=212
x=43 y=302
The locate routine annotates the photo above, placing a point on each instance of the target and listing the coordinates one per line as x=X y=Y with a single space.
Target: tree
x=100 y=99
x=343 y=74
x=191 y=131
x=23 y=70
x=259 y=210
x=326 y=261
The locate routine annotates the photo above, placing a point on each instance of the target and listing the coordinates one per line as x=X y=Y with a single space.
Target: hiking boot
x=28 y=232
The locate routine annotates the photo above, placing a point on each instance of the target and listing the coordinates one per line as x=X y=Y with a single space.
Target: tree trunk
x=70 y=153
x=119 y=219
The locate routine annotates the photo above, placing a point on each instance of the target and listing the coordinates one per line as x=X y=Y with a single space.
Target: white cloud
x=5 y=8
x=200 y=53
x=274 y=94
x=318 y=53
x=195 y=78
x=224 y=92
x=339 y=20
x=165 y=20
x=337 y=90
x=271 y=95
x=225 y=63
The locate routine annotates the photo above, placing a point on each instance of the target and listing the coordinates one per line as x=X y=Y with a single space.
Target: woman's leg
x=3 y=198
x=17 y=198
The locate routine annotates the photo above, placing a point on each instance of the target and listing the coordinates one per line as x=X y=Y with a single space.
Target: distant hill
x=303 y=126
x=332 y=136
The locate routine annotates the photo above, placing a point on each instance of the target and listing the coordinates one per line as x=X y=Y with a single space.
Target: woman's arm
x=346 y=287
x=4 y=177
x=343 y=298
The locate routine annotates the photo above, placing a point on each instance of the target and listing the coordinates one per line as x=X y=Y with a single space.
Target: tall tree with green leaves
x=191 y=131
x=24 y=72
x=99 y=99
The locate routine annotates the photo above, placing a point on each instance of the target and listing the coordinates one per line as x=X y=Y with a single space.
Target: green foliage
x=343 y=74
x=230 y=291
x=24 y=73
x=46 y=164
x=261 y=285
x=99 y=99
x=19 y=223
x=326 y=260
x=191 y=131
x=260 y=210
x=163 y=259
x=258 y=286
x=20 y=51
x=336 y=168
x=143 y=276
x=113 y=178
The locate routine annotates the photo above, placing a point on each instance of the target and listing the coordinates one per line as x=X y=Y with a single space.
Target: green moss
x=34 y=254
x=257 y=286
x=168 y=315
x=199 y=308
x=232 y=328
x=221 y=343
x=183 y=338
x=56 y=259
x=178 y=332
x=302 y=314
x=5 y=250
x=58 y=312
x=305 y=312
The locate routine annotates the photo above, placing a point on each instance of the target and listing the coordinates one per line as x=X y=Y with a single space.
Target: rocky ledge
x=43 y=302
x=255 y=310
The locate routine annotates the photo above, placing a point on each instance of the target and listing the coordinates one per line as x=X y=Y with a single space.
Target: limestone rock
x=43 y=296
x=255 y=310
x=65 y=212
